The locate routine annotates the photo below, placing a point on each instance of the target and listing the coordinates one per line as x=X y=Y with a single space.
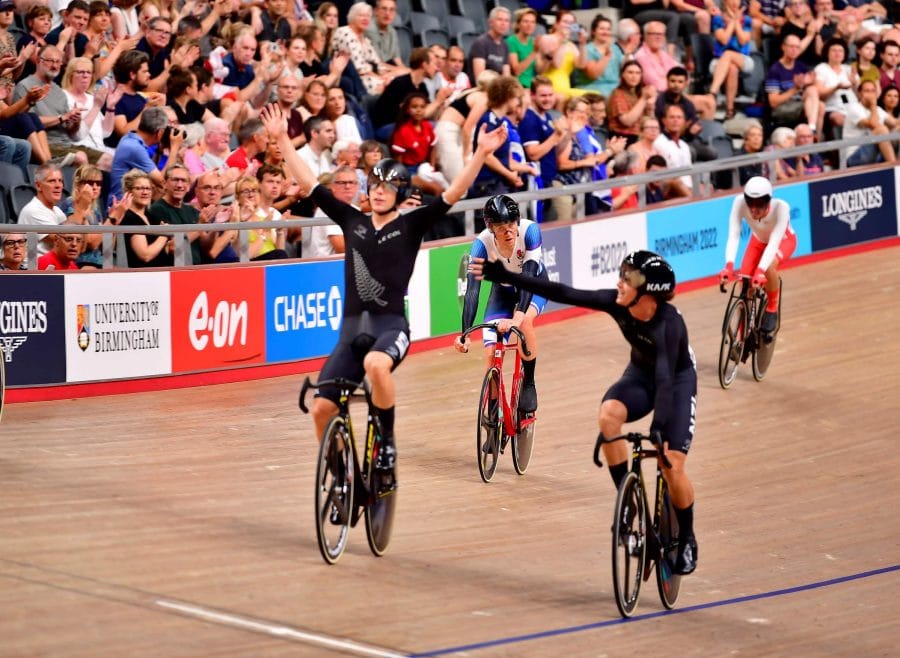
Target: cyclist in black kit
x=380 y=254
x=661 y=376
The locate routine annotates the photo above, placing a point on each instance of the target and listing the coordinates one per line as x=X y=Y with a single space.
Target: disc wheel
x=629 y=545
x=334 y=489
x=667 y=582
x=762 y=356
x=382 y=504
x=489 y=426
x=732 y=346
x=523 y=441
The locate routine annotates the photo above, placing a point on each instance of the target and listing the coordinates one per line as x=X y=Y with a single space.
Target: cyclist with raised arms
x=380 y=255
x=661 y=376
x=517 y=244
x=772 y=241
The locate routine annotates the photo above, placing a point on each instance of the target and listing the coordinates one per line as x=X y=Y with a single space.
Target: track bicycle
x=638 y=544
x=742 y=334
x=344 y=488
x=499 y=421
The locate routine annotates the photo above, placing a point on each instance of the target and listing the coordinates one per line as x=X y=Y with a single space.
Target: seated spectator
x=382 y=34
x=835 y=83
x=96 y=123
x=69 y=35
x=124 y=18
x=144 y=249
x=16 y=119
x=384 y=111
x=602 y=61
x=889 y=101
x=866 y=118
x=674 y=149
x=194 y=147
x=64 y=254
x=791 y=90
x=580 y=159
x=320 y=137
x=451 y=75
x=345 y=125
x=15 y=251
x=216 y=137
x=864 y=66
x=239 y=63
x=767 y=18
x=86 y=207
x=182 y=96
x=132 y=151
x=676 y=82
x=490 y=51
x=314 y=64
x=348 y=154
x=42 y=209
x=412 y=141
x=132 y=75
x=656 y=10
x=754 y=140
x=597 y=117
x=38 y=21
x=809 y=163
x=313 y=102
x=265 y=243
x=626 y=197
x=217 y=246
x=785 y=168
x=560 y=51
x=327 y=21
x=890 y=65
x=328 y=240
x=294 y=56
x=287 y=93
x=641 y=150
x=732 y=29
x=629 y=102
x=352 y=39
x=524 y=60
x=61 y=121
x=271 y=23
x=252 y=141
x=801 y=22
x=371 y=152
x=171 y=209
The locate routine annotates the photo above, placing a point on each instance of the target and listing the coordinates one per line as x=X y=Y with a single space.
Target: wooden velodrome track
x=180 y=523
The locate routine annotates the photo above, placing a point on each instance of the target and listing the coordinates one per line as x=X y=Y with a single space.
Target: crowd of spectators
x=146 y=112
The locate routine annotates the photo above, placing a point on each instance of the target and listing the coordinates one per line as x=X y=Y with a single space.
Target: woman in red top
x=413 y=140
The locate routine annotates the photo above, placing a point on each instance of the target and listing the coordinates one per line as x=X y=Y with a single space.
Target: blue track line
x=653 y=615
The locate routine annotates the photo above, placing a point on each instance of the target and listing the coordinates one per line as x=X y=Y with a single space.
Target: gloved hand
x=759 y=278
x=727 y=274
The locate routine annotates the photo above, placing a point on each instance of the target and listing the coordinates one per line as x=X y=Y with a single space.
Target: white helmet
x=758 y=191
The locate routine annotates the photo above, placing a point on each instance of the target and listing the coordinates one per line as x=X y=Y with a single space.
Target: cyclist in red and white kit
x=772 y=242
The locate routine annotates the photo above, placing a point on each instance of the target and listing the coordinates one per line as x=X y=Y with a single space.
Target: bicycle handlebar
x=635 y=438
x=493 y=325
x=737 y=277
x=340 y=382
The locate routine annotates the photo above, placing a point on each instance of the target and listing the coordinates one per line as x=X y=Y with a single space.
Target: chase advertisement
x=304 y=307
x=118 y=325
x=32 y=329
x=854 y=209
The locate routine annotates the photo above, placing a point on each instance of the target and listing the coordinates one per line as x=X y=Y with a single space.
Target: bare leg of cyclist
x=378 y=367
x=612 y=416
x=323 y=410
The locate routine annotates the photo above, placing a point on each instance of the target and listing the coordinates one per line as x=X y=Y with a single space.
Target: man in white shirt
x=670 y=145
x=42 y=209
x=321 y=241
x=450 y=72
x=320 y=137
x=867 y=118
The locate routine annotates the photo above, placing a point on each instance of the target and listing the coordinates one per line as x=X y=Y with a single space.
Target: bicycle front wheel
x=732 y=346
x=334 y=489
x=629 y=545
x=381 y=507
x=666 y=527
x=523 y=441
x=489 y=428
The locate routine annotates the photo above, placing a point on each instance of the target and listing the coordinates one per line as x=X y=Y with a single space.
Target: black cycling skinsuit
x=661 y=376
x=378 y=265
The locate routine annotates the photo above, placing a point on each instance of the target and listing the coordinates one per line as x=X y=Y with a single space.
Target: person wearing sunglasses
x=14 y=251
x=381 y=252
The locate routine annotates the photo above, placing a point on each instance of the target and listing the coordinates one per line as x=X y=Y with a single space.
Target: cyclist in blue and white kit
x=516 y=243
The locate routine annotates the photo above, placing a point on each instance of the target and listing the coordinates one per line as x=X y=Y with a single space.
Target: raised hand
x=274 y=120
x=488 y=142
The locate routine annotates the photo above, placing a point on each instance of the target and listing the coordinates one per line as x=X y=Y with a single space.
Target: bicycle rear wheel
x=762 y=357
x=489 y=428
x=523 y=441
x=381 y=506
x=732 y=345
x=666 y=527
x=334 y=489
x=629 y=545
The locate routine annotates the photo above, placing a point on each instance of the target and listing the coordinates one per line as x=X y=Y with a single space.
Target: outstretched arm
x=600 y=300
x=488 y=142
x=276 y=125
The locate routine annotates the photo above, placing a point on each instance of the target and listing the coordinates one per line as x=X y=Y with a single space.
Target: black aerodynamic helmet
x=649 y=273
x=393 y=173
x=501 y=209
